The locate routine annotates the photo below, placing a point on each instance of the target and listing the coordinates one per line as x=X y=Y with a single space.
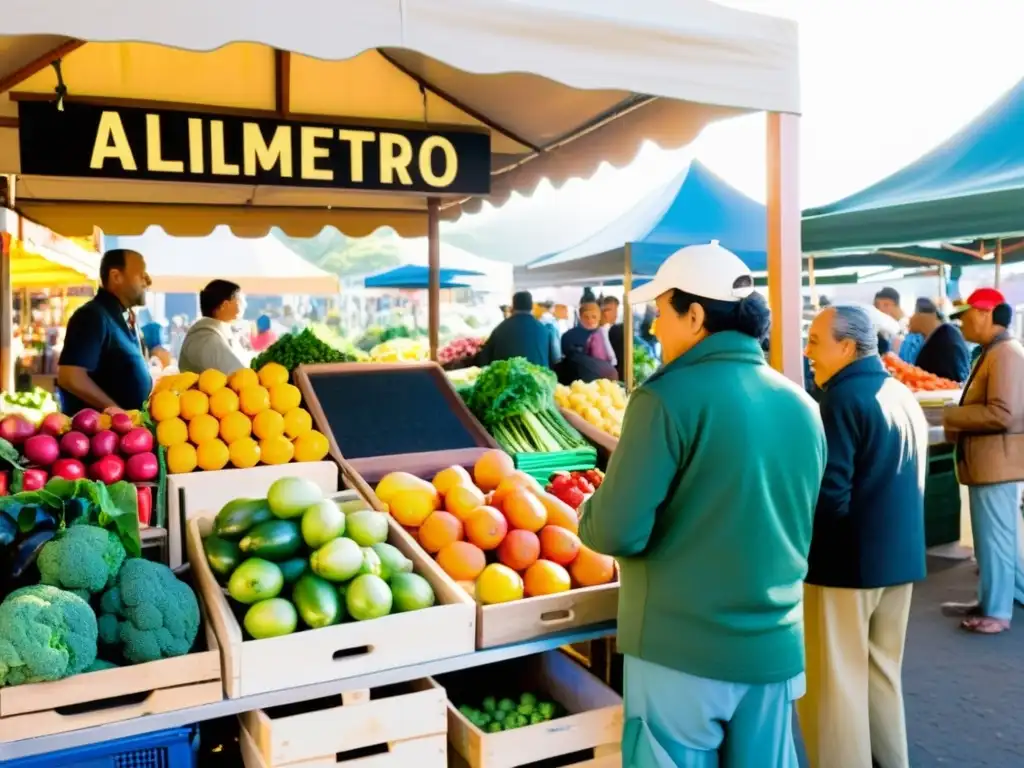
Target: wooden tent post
x=812 y=284
x=434 y=277
x=999 y=261
x=6 y=316
x=784 y=252
x=627 y=319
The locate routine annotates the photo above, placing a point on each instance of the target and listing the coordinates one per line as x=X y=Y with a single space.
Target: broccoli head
x=45 y=634
x=83 y=558
x=148 y=613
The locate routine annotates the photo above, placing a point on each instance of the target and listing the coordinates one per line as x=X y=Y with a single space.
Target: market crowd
x=768 y=541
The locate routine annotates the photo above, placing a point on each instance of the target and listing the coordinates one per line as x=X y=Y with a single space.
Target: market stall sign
x=87 y=140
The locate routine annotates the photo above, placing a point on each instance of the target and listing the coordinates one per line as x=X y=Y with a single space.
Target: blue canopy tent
x=971 y=186
x=414 y=277
x=695 y=207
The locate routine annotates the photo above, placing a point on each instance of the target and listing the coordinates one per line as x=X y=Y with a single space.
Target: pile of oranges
x=209 y=420
x=917 y=379
x=496 y=531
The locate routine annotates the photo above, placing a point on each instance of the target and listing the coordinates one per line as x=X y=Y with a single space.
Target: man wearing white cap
x=708 y=506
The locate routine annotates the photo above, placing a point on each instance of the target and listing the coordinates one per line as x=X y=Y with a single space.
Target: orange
x=276 y=450
x=268 y=424
x=244 y=453
x=486 y=527
x=164 y=406
x=393 y=483
x=285 y=397
x=461 y=560
x=171 y=432
x=105 y=420
x=297 y=422
x=312 y=446
x=234 y=426
x=524 y=510
x=202 y=428
x=519 y=550
x=273 y=373
x=546 y=578
x=447 y=479
x=463 y=499
x=193 y=403
x=491 y=468
x=223 y=402
x=591 y=568
x=438 y=531
x=560 y=513
x=515 y=481
x=253 y=400
x=243 y=378
x=211 y=381
x=413 y=506
x=498 y=584
x=181 y=458
x=212 y=455
x=558 y=545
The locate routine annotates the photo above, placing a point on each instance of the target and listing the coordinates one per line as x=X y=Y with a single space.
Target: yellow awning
x=41 y=258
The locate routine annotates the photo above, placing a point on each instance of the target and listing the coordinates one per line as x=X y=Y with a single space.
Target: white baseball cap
x=709 y=271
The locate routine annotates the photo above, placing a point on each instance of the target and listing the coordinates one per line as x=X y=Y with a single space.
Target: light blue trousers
x=676 y=720
x=995 y=519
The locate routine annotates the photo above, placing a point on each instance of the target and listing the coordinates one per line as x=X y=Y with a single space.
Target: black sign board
x=87 y=140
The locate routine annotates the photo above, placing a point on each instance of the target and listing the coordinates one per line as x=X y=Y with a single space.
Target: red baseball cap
x=985 y=299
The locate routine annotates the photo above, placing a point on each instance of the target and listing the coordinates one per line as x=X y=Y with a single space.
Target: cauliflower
x=149 y=613
x=45 y=634
x=84 y=559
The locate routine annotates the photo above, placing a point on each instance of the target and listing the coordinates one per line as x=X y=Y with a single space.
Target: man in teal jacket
x=708 y=506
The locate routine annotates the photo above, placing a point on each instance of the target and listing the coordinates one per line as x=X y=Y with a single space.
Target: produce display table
x=228 y=707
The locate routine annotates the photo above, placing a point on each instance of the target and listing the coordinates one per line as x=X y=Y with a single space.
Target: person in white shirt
x=212 y=342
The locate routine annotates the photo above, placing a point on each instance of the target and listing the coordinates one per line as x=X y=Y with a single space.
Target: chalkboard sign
x=386 y=417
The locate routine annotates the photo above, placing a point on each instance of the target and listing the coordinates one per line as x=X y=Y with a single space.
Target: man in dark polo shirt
x=102 y=364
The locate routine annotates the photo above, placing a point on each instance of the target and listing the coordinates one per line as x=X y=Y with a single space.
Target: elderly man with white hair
x=867 y=548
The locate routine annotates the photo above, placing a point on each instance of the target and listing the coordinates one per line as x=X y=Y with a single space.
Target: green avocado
x=317 y=601
x=273 y=540
x=237 y=517
x=223 y=556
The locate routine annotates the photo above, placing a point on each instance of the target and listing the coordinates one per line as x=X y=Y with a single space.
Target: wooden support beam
x=283 y=82
x=39 y=64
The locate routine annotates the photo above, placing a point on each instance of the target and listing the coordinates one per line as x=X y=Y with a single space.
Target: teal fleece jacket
x=708 y=505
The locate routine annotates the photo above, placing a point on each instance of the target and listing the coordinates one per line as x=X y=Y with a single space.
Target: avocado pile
x=495 y=714
x=296 y=560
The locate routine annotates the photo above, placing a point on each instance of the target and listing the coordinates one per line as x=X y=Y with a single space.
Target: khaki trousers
x=853 y=710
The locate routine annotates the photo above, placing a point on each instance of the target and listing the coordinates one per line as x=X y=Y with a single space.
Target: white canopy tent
x=261 y=266
x=559 y=86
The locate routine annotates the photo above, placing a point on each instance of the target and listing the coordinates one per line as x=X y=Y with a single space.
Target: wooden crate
x=363 y=472
x=113 y=695
x=338 y=652
x=194 y=492
x=605 y=443
x=389 y=727
x=531 y=617
x=593 y=723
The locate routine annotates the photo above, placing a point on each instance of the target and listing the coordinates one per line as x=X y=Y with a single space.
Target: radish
x=138 y=440
x=42 y=450
x=16 y=429
x=121 y=423
x=55 y=424
x=144 y=499
x=74 y=445
x=33 y=479
x=141 y=467
x=109 y=469
x=69 y=469
x=86 y=421
x=103 y=443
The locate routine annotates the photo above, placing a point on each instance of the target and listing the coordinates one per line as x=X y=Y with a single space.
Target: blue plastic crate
x=174 y=748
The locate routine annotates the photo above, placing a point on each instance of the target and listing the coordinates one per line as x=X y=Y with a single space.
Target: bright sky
x=883 y=81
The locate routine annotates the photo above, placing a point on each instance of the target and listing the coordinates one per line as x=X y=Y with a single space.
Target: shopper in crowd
x=550 y=323
x=867 y=550
x=578 y=361
x=944 y=351
x=153 y=343
x=914 y=340
x=520 y=335
x=264 y=335
x=987 y=428
x=887 y=301
x=102 y=364
x=609 y=310
x=712 y=541
x=212 y=341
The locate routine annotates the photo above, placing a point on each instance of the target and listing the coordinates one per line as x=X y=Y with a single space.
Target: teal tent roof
x=971 y=186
